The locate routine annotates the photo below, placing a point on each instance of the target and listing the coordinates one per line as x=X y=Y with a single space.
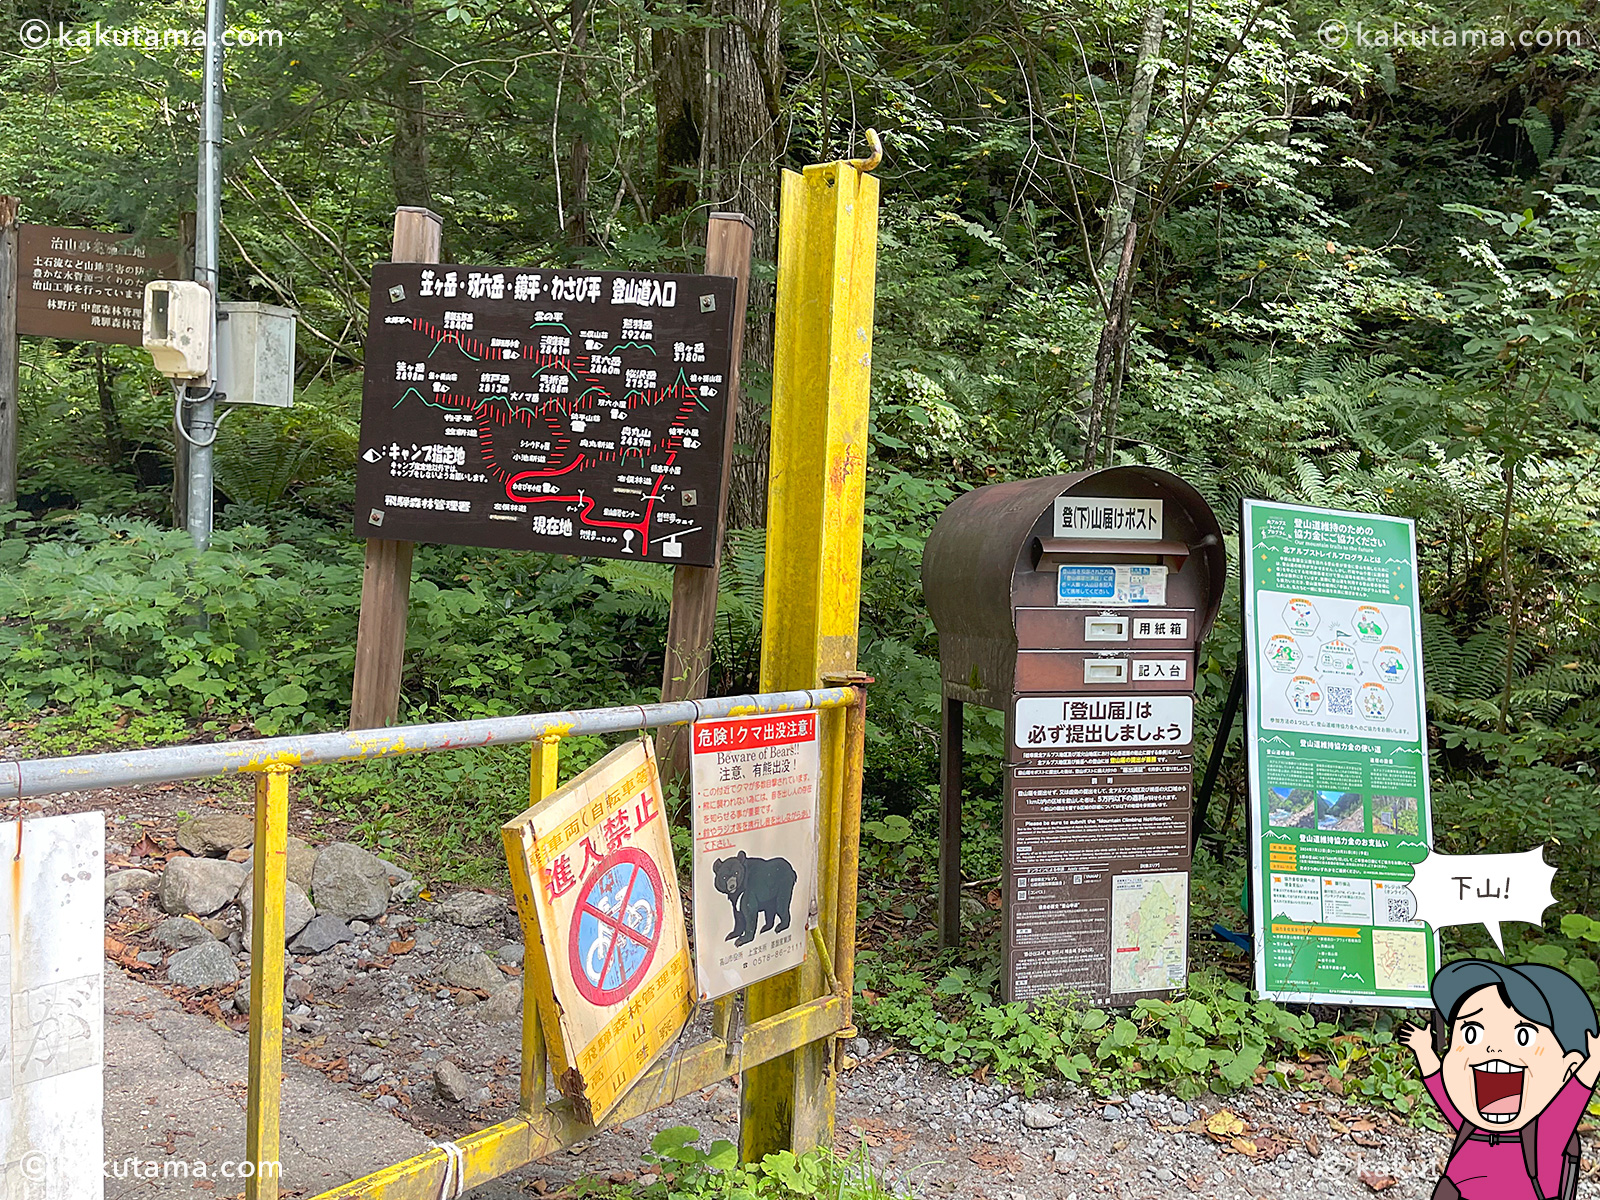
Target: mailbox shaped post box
x=1075 y=604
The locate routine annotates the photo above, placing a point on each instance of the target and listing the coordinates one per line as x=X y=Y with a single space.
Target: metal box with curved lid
x=1076 y=605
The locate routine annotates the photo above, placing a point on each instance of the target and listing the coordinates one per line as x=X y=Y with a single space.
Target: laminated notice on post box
x=1083 y=585
x=1092 y=721
x=1117 y=518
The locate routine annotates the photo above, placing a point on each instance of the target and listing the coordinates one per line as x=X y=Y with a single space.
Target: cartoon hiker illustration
x=1519 y=1066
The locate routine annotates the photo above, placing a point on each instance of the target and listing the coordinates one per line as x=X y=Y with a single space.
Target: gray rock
x=1111 y=1112
x=241 y=1001
x=122 y=900
x=504 y=1005
x=396 y=874
x=179 y=933
x=207 y=965
x=475 y=971
x=297 y=990
x=372 y=1074
x=472 y=908
x=405 y=891
x=1040 y=1116
x=130 y=881
x=322 y=932
x=200 y=886
x=388 y=1102
x=349 y=882
x=297 y=910
x=452 y=1082
x=153 y=957
x=302 y=862
x=359 y=927
x=860 y=1047
x=216 y=833
x=511 y=954
x=1065 y=1156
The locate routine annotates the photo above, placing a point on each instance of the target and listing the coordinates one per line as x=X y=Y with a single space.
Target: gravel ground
x=377 y=1016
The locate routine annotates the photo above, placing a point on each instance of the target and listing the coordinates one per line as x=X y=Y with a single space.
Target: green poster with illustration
x=1337 y=731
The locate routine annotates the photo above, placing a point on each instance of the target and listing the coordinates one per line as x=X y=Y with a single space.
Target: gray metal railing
x=21 y=779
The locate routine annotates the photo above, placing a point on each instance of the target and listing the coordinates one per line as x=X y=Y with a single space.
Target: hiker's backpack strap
x=1571 y=1167
x=1528 y=1135
x=1462 y=1136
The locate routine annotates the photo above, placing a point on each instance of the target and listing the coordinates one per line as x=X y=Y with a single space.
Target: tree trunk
x=679 y=64
x=1129 y=163
x=1508 y=475
x=578 y=220
x=408 y=154
x=110 y=420
x=717 y=121
x=747 y=181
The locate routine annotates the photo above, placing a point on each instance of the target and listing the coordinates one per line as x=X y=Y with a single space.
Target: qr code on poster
x=1400 y=905
x=1341 y=701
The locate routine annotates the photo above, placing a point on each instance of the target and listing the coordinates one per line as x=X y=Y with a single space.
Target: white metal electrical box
x=177 y=327
x=255 y=353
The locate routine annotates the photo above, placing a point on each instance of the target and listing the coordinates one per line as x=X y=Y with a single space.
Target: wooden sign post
x=386 y=579
x=8 y=350
x=693 y=619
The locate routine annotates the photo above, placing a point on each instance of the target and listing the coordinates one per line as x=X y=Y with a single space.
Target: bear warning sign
x=596 y=891
x=755 y=847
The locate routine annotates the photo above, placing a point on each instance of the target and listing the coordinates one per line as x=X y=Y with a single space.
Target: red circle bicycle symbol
x=616 y=926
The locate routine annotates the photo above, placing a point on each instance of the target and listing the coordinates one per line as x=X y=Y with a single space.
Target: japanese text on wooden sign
x=84 y=285
x=1338 y=754
x=755 y=809
x=592 y=864
x=567 y=411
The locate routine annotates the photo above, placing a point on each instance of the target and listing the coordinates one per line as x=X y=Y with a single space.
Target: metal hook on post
x=870 y=163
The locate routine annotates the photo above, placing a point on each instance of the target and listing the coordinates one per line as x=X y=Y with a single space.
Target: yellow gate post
x=270 y=873
x=827 y=258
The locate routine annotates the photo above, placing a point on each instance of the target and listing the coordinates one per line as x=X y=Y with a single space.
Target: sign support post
x=386 y=578
x=8 y=350
x=692 y=620
x=827 y=256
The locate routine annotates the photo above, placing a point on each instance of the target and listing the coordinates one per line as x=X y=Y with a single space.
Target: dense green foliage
x=1363 y=277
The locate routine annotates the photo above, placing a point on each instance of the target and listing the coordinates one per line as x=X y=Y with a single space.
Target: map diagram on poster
x=1149 y=931
x=1336 y=666
x=577 y=412
x=597 y=895
x=755 y=846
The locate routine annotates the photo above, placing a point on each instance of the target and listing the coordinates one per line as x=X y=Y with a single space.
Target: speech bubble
x=1469 y=889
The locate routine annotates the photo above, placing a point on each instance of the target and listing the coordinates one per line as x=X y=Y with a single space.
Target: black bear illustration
x=756 y=887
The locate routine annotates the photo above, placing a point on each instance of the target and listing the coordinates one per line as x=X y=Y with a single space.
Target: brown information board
x=83 y=285
x=578 y=412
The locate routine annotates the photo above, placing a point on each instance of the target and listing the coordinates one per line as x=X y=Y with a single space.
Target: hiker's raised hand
x=1420 y=1040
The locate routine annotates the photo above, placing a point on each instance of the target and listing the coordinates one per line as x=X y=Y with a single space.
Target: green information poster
x=1337 y=732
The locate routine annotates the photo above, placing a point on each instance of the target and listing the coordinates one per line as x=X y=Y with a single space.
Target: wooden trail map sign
x=578 y=412
x=1337 y=731
x=592 y=868
x=84 y=285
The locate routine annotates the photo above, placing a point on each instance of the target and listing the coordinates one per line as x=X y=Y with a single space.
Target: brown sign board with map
x=1076 y=604
x=86 y=286
x=577 y=412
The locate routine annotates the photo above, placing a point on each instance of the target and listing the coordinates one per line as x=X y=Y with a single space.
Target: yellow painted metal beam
x=827 y=258
x=270 y=874
x=493 y=1152
x=543 y=777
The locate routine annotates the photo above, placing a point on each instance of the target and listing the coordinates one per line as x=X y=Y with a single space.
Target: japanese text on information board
x=1338 y=755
